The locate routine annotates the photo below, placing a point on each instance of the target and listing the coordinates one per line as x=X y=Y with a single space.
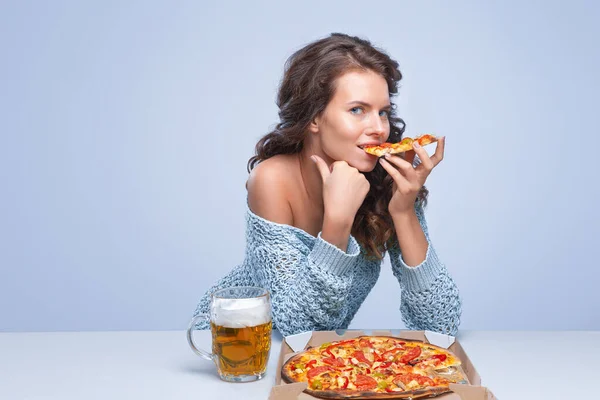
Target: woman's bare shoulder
x=269 y=186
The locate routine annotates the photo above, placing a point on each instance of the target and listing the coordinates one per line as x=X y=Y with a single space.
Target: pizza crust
x=414 y=394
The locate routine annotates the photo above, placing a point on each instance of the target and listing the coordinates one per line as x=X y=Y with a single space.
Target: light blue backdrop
x=115 y=213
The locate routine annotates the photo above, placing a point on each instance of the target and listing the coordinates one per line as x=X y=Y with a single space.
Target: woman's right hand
x=344 y=190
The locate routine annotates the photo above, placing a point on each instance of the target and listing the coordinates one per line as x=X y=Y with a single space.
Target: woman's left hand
x=409 y=180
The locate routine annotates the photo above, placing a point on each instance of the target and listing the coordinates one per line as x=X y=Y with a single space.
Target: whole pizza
x=374 y=367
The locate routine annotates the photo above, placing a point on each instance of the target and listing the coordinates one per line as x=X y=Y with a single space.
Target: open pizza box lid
x=295 y=343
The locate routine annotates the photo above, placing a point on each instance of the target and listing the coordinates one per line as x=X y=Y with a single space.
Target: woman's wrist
x=404 y=217
x=336 y=231
x=411 y=238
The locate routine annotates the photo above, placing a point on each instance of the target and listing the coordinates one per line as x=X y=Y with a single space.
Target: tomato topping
x=436 y=359
x=377 y=356
x=360 y=356
x=328 y=352
x=385 y=364
x=364 y=382
x=411 y=355
x=329 y=360
x=391 y=353
x=423 y=380
x=318 y=370
x=365 y=343
x=333 y=346
x=424 y=139
x=336 y=362
x=311 y=363
x=404 y=378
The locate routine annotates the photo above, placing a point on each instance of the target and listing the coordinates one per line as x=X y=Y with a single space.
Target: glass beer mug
x=240 y=322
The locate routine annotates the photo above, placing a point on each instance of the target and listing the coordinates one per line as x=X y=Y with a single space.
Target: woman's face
x=356 y=115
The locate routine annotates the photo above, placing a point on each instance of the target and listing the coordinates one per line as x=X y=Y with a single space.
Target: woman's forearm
x=411 y=239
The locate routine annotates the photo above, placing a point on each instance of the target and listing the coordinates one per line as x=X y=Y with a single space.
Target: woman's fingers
x=438 y=156
x=404 y=166
x=429 y=163
x=401 y=181
x=322 y=166
x=426 y=162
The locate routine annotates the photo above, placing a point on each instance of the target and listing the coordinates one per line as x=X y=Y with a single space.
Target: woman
x=322 y=212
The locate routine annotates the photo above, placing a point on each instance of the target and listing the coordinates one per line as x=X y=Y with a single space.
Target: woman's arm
x=309 y=287
x=430 y=298
x=411 y=238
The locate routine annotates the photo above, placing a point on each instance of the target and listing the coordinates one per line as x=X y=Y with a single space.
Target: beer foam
x=240 y=313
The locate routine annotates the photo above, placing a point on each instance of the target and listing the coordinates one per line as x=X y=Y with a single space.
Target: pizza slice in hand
x=404 y=145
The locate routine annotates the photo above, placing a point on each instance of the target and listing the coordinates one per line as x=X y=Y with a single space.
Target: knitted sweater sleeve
x=430 y=299
x=309 y=287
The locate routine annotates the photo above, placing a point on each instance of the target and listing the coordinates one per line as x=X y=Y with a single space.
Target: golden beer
x=241 y=324
x=241 y=351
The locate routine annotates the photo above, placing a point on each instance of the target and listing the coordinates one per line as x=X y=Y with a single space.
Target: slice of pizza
x=405 y=144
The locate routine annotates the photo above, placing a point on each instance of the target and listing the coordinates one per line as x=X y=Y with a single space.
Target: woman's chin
x=364 y=165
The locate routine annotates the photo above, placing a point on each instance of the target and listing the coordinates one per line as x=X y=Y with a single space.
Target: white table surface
x=160 y=365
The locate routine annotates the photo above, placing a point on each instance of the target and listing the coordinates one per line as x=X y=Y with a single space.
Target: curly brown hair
x=307 y=87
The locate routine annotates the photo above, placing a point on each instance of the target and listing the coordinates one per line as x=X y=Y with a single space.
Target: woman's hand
x=408 y=180
x=344 y=190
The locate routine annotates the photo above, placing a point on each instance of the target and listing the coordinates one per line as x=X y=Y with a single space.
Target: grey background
x=115 y=213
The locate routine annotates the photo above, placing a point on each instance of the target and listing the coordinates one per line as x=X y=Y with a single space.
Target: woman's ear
x=314 y=125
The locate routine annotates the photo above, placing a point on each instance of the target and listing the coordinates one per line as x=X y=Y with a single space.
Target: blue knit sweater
x=316 y=286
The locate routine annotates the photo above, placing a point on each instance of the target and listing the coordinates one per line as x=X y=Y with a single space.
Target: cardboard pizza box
x=295 y=343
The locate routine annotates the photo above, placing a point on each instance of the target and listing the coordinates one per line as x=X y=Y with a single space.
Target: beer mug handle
x=200 y=352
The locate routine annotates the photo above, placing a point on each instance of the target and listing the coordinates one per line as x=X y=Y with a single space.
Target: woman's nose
x=377 y=127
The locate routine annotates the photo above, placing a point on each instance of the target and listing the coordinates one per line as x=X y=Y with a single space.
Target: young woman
x=322 y=212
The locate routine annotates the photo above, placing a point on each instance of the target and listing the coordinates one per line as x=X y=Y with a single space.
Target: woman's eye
x=359 y=110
